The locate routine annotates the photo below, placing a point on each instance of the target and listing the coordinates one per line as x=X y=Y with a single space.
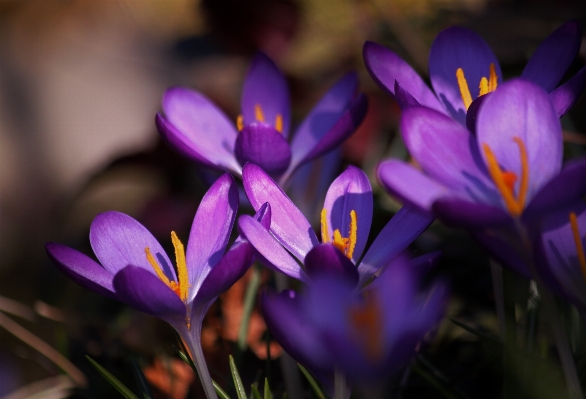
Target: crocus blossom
x=560 y=254
x=365 y=334
x=345 y=225
x=461 y=64
x=135 y=269
x=510 y=171
x=261 y=134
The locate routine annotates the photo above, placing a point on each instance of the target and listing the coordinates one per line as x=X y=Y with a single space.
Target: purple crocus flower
x=345 y=225
x=364 y=334
x=509 y=172
x=136 y=270
x=197 y=128
x=560 y=254
x=460 y=62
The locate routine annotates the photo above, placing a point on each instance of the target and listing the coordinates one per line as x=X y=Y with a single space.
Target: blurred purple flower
x=197 y=128
x=560 y=254
x=136 y=270
x=510 y=171
x=345 y=226
x=366 y=335
x=460 y=61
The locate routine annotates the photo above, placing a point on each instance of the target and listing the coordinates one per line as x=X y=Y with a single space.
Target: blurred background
x=80 y=84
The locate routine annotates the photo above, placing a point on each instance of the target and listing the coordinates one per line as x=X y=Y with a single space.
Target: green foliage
x=115 y=382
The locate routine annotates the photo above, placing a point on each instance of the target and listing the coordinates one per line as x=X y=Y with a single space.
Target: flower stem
x=341 y=390
x=196 y=352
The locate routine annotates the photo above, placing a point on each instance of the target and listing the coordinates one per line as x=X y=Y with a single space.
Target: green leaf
x=141 y=380
x=267 y=389
x=312 y=382
x=255 y=392
x=237 y=381
x=115 y=382
x=221 y=393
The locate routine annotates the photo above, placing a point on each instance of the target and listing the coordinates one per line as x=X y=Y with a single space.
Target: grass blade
x=255 y=392
x=237 y=381
x=267 y=392
x=312 y=382
x=115 y=382
x=221 y=393
x=141 y=380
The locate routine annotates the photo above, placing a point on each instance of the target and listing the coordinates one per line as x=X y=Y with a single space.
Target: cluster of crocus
x=197 y=128
x=136 y=270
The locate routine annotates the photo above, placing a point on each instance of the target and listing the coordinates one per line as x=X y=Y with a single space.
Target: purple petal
x=324 y=116
x=326 y=130
x=289 y=326
x=564 y=97
x=396 y=236
x=211 y=230
x=386 y=68
x=553 y=57
x=119 y=241
x=81 y=269
x=327 y=260
x=288 y=224
x=262 y=145
x=266 y=86
x=145 y=292
x=410 y=185
x=271 y=250
x=472 y=113
x=459 y=48
x=233 y=265
x=404 y=98
x=507 y=249
x=446 y=151
x=521 y=109
x=561 y=191
x=195 y=126
x=462 y=213
x=351 y=191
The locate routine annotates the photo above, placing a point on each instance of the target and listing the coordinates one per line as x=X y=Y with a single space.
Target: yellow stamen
x=464 y=90
x=160 y=274
x=279 y=123
x=578 y=243
x=345 y=244
x=258 y=115
x=181 y=266
x=325 y=235
x=492 y=79
x=505 y=180
x=368 y=327
x=240 y=123
x=483 y=87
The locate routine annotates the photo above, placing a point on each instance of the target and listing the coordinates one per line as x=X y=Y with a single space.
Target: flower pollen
x=345 y=244
x=578 y=243
x=505 y=180
x=487 y=85
x=367 y=326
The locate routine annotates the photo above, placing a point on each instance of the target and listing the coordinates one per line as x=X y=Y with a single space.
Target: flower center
x=344 y=244
x=260 y=117
x=505 y=180
x=578 y=243
x=367 y=326
x=181 y=286
x=486 y=85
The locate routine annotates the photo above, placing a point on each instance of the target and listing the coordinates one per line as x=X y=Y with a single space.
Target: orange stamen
x=345 y=244
x=368 y=327
x=505 y=180
x=180 y=287
x=578 y=243
x=160 y=274
x=279 y=123
x=483 y=87
x=464 y=90
x=492 y=80
x=240 y=123
x=258 y=114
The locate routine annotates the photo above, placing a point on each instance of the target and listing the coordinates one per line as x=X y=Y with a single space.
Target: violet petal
x=404 y=98
x=325 y=259
x=462 y=213
x=564 y=97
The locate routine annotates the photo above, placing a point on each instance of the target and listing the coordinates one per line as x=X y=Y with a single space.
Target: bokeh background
x=80 y=83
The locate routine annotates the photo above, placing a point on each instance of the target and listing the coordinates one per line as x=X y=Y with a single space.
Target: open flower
x=345 y=226
x=560 y=254
x=364 y=334
x=136 y=270
x=509 y=172
x=461 y=64
x=196 y=127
